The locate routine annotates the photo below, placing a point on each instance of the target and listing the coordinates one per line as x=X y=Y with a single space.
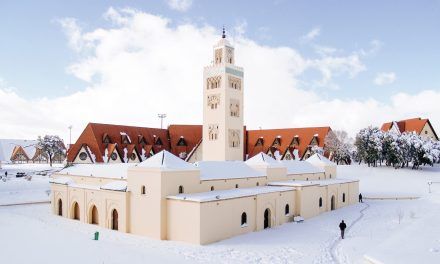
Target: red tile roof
x=189 y=137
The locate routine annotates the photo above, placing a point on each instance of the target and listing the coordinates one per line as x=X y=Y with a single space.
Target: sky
x=346 y=64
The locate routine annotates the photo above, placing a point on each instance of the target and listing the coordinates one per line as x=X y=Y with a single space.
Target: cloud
x=311 y=35
x=141 y=65
x=180 y=5
x=384 y=78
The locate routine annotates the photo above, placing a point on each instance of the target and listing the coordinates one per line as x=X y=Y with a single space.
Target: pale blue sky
x=34 y=53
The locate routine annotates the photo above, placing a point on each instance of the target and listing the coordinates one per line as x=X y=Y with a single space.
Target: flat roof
x=301 y=183
x=223 y=170
x=228 y=194
x=106 y=170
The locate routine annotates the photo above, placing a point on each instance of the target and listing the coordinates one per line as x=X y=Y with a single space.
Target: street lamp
x=161 y=116
x=70 y=135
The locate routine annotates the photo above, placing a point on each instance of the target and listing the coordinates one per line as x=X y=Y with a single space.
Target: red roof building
x=418 y=125
x=116 y=143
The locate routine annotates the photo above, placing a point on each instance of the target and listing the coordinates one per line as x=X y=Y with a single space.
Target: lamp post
x=161 y=116
x=70 y=135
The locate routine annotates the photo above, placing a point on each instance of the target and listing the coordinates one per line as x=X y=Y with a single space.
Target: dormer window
x=142 y=140
x=181 y=142
x=260 y=142
x=277 y=142
x=295 y=141
x=158 y=142
x=125 y=139
x=106 y=139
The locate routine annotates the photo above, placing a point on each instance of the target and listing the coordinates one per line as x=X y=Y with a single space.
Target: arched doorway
x=267 y=218
x=60 y=207
x=94 y=217
x=75 y=211
x=332 y=203
x=114 y=219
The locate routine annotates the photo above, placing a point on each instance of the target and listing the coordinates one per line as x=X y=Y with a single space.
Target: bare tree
x=51 y=146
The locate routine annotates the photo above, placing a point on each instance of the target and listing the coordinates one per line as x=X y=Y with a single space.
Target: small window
x=133 y=156
x=236 y=185
x=320 y=201
x=287 y=209
x=212 y=188
x=426 y=132
x=243 y=219
x=343 y=197
x=180 y=189
x=114 y=156
x=143 y=189
x=82 y=156
x=307 y=179
x=258 y=184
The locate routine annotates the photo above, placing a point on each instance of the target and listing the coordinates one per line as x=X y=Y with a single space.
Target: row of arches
x=267 y=221
x=93 y=214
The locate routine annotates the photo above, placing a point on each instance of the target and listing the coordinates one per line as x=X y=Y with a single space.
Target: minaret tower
x=223 y=105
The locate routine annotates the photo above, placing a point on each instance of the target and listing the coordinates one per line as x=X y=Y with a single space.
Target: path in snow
x=337 y=255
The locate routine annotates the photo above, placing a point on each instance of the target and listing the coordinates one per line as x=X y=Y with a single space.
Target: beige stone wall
x=183 y=221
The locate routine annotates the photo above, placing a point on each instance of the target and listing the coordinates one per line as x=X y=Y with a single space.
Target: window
x=158 y=142
x=114 y=156
x=212 y=188
x=343 y=197
x=320 y=201
x=82 y=156
x=143 y=189
x=258 y=184
x=236 y=185
x=180 y=189
x=234 y=138
x=106 y=139
x=426 y=132
x=234 y=108
x=133 y=156
x=243 y=219
x=213 y=131
x=287 y=210
x=181 y=142
x=259 y=142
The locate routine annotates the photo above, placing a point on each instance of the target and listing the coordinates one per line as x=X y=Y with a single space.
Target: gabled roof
x=409 y=125
x=262 y=159
x=219 y=170
x=7 y=147
x=165 y=160
x=319 y=160
x=305 y=137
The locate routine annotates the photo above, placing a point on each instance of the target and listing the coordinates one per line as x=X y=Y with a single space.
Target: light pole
x=161 y=116
x=70 y=135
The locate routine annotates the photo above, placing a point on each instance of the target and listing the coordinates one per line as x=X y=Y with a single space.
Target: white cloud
x=384 y=78
x=311 y=35
x=141 y=66
x=180 y=5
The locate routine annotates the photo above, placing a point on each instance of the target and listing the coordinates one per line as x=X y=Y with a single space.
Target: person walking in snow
x=342 y=227
x=360 y=198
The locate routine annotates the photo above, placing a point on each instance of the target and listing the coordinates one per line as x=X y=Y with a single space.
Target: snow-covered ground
x=30 y=233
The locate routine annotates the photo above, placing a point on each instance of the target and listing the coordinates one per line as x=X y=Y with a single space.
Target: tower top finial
x=224 y=32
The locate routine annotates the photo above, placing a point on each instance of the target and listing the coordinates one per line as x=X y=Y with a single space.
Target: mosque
x=222 y=194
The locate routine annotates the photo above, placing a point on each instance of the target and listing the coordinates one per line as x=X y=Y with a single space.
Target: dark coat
x=342 y=226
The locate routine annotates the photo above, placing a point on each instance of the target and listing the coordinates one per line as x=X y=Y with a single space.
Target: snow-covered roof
x=219 y=170
x=106 y=170
x=300 y=167
x=262 y=159
x=318 y=159
x=61 y=180
x=297 y=183
x=166 y=161
x=228 y=194
x=7 y=146
x=115 y=186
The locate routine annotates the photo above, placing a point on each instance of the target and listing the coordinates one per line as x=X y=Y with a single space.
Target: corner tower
x=223 y=105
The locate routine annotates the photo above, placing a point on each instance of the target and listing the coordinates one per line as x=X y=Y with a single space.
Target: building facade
x=418 y=125
x=135 y=185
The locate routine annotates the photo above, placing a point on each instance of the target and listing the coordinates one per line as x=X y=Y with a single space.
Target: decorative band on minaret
x=224 y=32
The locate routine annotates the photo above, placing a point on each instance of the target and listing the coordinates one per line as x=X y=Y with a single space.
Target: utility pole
x=161 y=116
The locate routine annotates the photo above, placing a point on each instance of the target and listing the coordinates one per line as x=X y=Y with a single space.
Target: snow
x=376 y=234
x=318 y=159
x=262 y=159
x=110 y=170
x=61 y=180
x=228 y=194
x=297 y=183
x=300 y=167
x=219 y=170
x=115 y=186
x=165 y=160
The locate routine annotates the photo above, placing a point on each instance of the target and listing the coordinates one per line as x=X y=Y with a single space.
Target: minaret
x=223 y=105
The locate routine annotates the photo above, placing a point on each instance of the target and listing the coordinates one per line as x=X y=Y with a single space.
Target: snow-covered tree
x=51 y=145
x=369 y=145
x=337 y=143
x=316 y=149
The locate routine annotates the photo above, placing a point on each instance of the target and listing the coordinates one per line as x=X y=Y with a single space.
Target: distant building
x=24 y=151
x=418 y=125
